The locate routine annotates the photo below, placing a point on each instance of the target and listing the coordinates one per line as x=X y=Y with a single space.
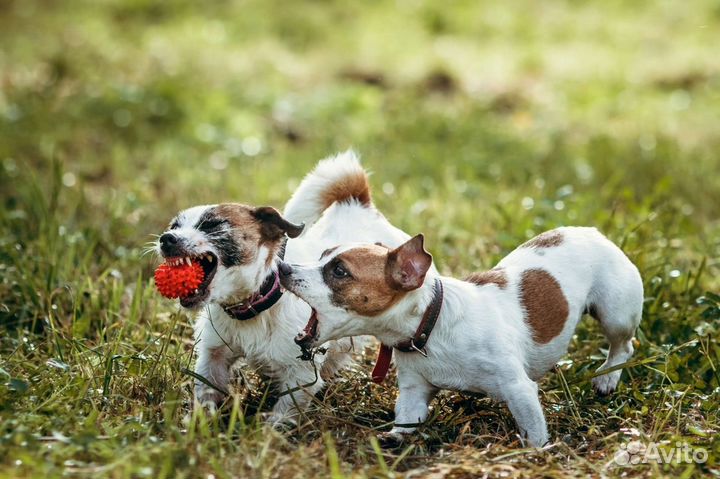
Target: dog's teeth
x=187 y=260
x=209 y=257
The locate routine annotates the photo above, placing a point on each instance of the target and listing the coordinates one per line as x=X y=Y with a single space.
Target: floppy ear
x=408 y=263
x=273 y=225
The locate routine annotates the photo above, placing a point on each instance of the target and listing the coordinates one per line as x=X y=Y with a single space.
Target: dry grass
x=484 y=124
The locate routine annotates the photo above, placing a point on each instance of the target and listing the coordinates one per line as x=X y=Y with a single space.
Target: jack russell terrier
x=495 y=332
x=242 y=309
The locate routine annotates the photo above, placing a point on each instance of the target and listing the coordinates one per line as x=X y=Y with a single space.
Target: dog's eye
x=339 y=271
x=211 y=224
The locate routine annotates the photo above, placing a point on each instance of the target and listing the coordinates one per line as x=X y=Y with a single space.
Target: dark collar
x=261 y=300
x=417 y=342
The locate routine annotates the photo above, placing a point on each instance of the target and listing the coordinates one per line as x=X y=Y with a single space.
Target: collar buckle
x=419 y=350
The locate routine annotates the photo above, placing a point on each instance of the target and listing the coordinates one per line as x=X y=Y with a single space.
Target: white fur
x=306 y=204
x=481 y=341
x=266 y=342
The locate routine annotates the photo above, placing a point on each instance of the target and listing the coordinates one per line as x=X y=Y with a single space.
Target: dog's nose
x=285 y=269
x=169 y=245
x=168 y=239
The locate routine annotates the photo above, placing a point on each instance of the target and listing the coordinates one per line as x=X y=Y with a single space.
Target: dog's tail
x=335 y=179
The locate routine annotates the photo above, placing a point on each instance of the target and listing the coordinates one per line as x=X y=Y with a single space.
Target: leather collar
x=262 y=300
x=417 y=342
x=265 y=298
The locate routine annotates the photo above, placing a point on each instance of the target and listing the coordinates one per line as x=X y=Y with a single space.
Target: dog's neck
x=265 y=294
x=403 y=320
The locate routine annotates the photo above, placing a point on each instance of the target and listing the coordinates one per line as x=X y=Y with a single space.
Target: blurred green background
x=483 y=123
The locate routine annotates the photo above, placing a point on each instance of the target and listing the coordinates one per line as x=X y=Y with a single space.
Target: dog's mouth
x=307 y=337
x=209 y=263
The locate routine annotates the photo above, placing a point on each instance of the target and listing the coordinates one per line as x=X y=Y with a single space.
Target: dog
x=242 y=311
x=495 y=332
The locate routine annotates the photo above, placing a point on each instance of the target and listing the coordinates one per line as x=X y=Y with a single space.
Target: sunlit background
x=484 y=123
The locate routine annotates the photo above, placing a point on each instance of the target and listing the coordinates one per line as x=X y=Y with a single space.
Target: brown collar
x=417 y=342
x=265 y=298
x=261 y=300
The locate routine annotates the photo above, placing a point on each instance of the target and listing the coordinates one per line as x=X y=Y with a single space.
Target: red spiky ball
x=178 y=281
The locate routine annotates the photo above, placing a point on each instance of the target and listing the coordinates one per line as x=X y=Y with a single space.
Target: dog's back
x=564 y=273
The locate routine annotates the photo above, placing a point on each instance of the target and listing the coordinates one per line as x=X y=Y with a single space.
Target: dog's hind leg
x=618 y=310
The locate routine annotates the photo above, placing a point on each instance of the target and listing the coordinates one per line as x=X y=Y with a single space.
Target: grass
x=483 y=122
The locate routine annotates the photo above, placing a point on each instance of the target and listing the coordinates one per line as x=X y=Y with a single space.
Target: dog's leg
x=303 y=384
x=521 y=396
x=213 y=363
x=411 y=408
x=616 y=302
x=619 y=326
x=621 y=350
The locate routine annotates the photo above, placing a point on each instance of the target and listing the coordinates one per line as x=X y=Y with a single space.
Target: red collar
x=261 y=300
x=417 y=342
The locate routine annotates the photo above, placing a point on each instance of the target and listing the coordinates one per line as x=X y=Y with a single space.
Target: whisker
x=146 y=252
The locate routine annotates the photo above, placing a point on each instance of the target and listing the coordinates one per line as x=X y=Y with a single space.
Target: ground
x=484 y=123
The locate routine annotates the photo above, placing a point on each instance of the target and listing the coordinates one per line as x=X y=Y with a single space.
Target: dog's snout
x=169 y=244
x=168 y=239
x=285 y=269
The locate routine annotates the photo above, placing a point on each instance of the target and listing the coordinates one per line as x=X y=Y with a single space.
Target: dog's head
x=352 y=287
x=235 y=245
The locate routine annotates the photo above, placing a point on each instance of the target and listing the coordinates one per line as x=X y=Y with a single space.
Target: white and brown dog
x=243 y=311
x=496 y=332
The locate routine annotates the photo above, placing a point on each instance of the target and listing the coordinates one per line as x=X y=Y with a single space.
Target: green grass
x=484 y=123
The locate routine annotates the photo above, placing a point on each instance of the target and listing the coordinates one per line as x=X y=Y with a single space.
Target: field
x=483 y=123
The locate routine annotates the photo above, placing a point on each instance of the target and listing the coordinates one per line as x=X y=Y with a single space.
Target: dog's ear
x=408 y=263
x=273 y=225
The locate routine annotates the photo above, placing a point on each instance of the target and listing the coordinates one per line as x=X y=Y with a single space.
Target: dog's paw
x=390 y=439
x=279 y=422
x=209 y=400
x=607 y=383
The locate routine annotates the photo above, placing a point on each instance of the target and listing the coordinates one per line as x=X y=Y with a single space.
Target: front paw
x=279 y=422
x=208 y=399
x=391 y=439
x=607 y=383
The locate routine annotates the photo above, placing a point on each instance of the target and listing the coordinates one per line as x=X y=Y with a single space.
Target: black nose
x=169 y=244
x=168 y=239
x=285 y=269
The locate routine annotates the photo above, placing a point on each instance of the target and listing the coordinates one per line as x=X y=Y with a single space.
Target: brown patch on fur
x=220 y=354
x=547 y=239
x=247 y=232
x=367 y=290
x=495 y=276
x=348 y=187
x=546 y=308
x=239 y=215
x=328 y=251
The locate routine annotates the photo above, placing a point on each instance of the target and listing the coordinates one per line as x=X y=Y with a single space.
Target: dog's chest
x=452 y=370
